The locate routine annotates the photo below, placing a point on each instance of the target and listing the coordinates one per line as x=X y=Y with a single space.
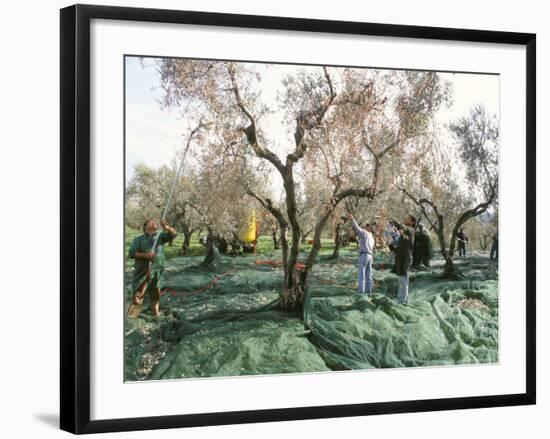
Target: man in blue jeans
x=365 y=240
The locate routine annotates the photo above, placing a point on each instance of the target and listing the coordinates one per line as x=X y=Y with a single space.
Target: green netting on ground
x=236 y=328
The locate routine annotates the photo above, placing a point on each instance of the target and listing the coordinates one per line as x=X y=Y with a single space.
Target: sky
x=155 y=135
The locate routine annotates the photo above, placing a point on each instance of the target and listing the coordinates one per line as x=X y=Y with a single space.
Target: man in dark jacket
x=392 y=236
x=403 y=257
x=462 y=239
x=418 y=248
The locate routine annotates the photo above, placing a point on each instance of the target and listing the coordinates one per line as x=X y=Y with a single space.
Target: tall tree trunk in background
x=212 y=254
x=187 y=240
x=186 y=244
x=449 y=269
x=318 y=230
x=484 y=242
x=221 y=244
x=337 y=240
x=283 y=227
x=275 y=239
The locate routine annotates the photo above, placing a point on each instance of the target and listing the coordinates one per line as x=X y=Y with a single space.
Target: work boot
x=134 y=310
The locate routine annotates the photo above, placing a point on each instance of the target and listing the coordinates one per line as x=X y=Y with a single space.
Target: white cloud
x=469 y=90
x=152 y=135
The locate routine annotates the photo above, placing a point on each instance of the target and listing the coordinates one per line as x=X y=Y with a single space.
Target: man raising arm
x=148 y=265
x=366 y=246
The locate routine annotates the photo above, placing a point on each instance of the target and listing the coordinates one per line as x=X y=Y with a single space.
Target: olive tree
x=447 y=200
x=355 y=118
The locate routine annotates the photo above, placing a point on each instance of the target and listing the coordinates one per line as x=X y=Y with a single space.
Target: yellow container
x=249 y=234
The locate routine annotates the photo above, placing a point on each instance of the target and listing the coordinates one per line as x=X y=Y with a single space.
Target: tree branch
x=377 y=155
x=203 y=217
x=302 y=127
x=353 y=192
x=476 y=210
x=251 y=131
x=422 y=202
x=268 y=205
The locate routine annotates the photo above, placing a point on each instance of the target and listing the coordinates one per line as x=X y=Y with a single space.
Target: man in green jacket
x=148 y=265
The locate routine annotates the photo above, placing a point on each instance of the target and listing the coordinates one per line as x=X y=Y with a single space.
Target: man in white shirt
x=365 y=239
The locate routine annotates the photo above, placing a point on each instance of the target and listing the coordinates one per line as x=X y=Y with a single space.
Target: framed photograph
x=273 y=218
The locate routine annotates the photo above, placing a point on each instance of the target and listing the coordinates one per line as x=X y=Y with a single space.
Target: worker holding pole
x=148 y=253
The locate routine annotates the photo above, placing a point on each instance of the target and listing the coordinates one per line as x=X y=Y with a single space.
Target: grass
x=264 y=246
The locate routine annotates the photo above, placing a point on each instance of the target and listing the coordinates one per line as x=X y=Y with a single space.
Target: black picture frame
x=75 y=217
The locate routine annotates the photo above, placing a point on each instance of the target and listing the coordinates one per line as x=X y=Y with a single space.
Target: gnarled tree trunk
x=449 y=268
x=212 y=255
x=186 y=244
x=337 y=241
x=292 y=297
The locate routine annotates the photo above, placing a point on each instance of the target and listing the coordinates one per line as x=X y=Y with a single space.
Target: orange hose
x=190 y=293
x=278 y=262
